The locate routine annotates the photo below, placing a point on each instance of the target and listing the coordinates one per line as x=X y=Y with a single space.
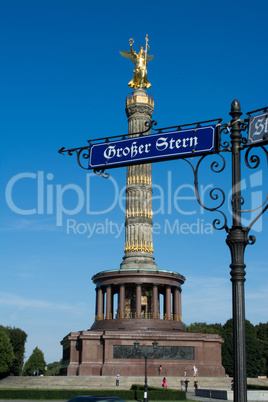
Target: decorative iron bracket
x=223 y=145
x=83 y=153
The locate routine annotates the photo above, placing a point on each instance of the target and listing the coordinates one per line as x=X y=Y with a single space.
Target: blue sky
x=63 y=82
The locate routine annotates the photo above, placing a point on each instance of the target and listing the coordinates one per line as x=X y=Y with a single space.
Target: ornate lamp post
x=237 y=236
x=237 y=239
x=145 y=356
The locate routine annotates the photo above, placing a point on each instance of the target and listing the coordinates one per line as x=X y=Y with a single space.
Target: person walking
x=182 y=383
x=186 y=382
x=164 y=384
x=117 y=380
x=232 y=384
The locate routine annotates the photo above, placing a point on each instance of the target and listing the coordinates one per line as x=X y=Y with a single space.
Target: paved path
x=190 y=395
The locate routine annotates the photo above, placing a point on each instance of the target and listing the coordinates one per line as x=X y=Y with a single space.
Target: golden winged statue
x=140 y=60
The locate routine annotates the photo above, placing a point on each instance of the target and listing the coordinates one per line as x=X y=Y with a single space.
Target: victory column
x=138 y=307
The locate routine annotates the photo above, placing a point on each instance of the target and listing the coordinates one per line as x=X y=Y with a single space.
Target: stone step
x=105 y=382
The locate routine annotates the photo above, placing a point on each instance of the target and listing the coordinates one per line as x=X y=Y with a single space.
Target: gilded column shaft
x=139 y=215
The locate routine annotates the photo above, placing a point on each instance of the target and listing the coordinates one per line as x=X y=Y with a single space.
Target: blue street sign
x=153 y=148
x=258 y=128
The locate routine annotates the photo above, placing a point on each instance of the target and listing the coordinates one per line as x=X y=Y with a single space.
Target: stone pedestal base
x=108 y=353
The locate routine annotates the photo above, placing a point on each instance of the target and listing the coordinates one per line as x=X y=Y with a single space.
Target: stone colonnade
x=138 y=295
x=105 y=303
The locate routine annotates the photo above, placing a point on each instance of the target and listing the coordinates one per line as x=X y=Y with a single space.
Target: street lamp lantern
x=136 y=345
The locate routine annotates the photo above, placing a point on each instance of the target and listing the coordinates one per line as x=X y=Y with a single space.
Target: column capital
x=139 y=108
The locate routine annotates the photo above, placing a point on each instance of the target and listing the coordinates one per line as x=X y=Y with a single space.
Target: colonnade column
x=96 y=303
x=155 y=301
x=138 y=300
x=100 y=304
x=109 y=314
x=180 y=311
x=168 y=303
x=122 y=300
x=177 y=304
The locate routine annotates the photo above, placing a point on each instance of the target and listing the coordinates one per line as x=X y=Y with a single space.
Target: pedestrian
x=160 y=370
x=194 y=370
x=117 y=380
x=186 y=382
x=182 y=383
x=195 y=384
x=185 y=371
x=232 y=385
x=164 y=384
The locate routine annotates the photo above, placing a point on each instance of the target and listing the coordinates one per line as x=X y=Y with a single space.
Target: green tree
x=262 y=331
x=227 y=347
x=256 y=345
x=253 y=351
x=6 y=355
x=4 y=329
x=54 y=368
x=205 y=328
x=198 y=327
x=35 y=364
x=17 y=339
x=262 y=335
